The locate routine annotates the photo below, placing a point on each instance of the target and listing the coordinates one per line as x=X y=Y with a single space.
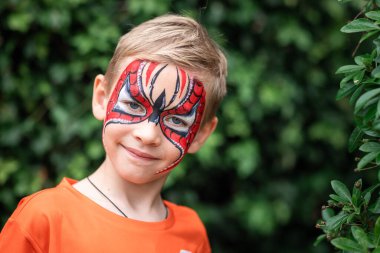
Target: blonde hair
x=180 y=41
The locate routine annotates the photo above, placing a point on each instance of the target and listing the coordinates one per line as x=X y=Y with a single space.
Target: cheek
x=106 y=138
x=172 y=152
x=112 y=133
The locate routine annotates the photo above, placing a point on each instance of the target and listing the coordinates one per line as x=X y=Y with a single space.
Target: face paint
x=177 y=108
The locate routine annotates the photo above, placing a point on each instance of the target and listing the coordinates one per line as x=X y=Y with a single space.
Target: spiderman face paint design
x=162 y=95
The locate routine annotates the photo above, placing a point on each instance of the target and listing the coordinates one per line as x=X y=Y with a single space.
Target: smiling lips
x=141 y=155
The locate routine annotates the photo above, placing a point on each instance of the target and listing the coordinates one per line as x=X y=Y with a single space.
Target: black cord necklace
x=107 y=198
x=166 y=209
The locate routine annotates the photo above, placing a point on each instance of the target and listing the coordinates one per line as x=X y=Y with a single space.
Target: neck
x=138 y=201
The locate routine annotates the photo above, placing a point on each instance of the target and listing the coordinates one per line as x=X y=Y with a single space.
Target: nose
x=148 y=133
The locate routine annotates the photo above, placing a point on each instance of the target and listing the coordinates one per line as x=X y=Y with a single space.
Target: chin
x=141 y=180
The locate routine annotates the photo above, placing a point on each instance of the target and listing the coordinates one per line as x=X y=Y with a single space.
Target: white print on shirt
x=184 y=251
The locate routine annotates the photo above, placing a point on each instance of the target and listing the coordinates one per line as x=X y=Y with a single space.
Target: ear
x=99 y=97
x=202 y=135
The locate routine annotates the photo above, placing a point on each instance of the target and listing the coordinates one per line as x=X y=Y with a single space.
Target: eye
x=179 y=123
x=134 y=105
x=176 y=121
x=131 y=108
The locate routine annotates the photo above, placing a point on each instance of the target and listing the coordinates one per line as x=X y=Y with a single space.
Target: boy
x=157 y=102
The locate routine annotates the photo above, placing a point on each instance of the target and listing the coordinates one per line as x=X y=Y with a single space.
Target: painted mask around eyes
x=177 y=109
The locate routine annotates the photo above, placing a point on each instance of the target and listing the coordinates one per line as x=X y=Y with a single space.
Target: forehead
x=158 y=78
x=122 y=64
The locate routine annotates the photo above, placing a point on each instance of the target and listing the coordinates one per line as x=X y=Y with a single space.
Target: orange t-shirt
x=62 y=220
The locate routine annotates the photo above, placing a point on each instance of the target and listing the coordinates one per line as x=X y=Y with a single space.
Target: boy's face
x=153 y=115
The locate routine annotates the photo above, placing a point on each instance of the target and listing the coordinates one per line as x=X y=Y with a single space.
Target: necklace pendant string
x=106 y=197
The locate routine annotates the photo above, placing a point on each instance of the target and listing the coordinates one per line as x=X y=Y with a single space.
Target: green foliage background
x=261 y=179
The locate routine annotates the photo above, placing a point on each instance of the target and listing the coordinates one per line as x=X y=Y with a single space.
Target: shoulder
x=42 y=204
x=30 y=224
x=40 y=200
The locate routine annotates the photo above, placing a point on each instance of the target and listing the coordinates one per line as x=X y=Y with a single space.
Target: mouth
x=139 y=154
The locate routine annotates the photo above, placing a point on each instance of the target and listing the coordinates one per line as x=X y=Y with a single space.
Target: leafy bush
x=260 y=180
x=351 y=219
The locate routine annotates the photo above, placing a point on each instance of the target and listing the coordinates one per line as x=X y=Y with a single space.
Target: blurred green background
x=261 y=179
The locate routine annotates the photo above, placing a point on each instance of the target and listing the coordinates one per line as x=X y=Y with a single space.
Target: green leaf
x=378 y=110
x=341 y=189
x=364 y=60
x=369 y=114
x=375 y=15
x=377 y=44
x=365 y=98
x=375 y=208
x=376 y=127
x=319 y=240
x=356 y=192
x=370 y=147
x=358 y=77
x=350 y=218
x=327 y=213
x=367 y=159
x=356 y=94
x=376 y=72
x=365 y=36
x=359 y=60
x=371 y=189
x=367 y=198
x=346 y=91
x=355 y=139
x=347 y=79
x=336 y=221
x=360 y=236
x=346 y=244
x=338 y=198
x=359 y=25
x=376 y=232
x=349 y=68
x=371 y=133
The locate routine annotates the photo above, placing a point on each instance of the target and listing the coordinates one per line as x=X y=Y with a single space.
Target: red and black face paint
x=178 y=110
